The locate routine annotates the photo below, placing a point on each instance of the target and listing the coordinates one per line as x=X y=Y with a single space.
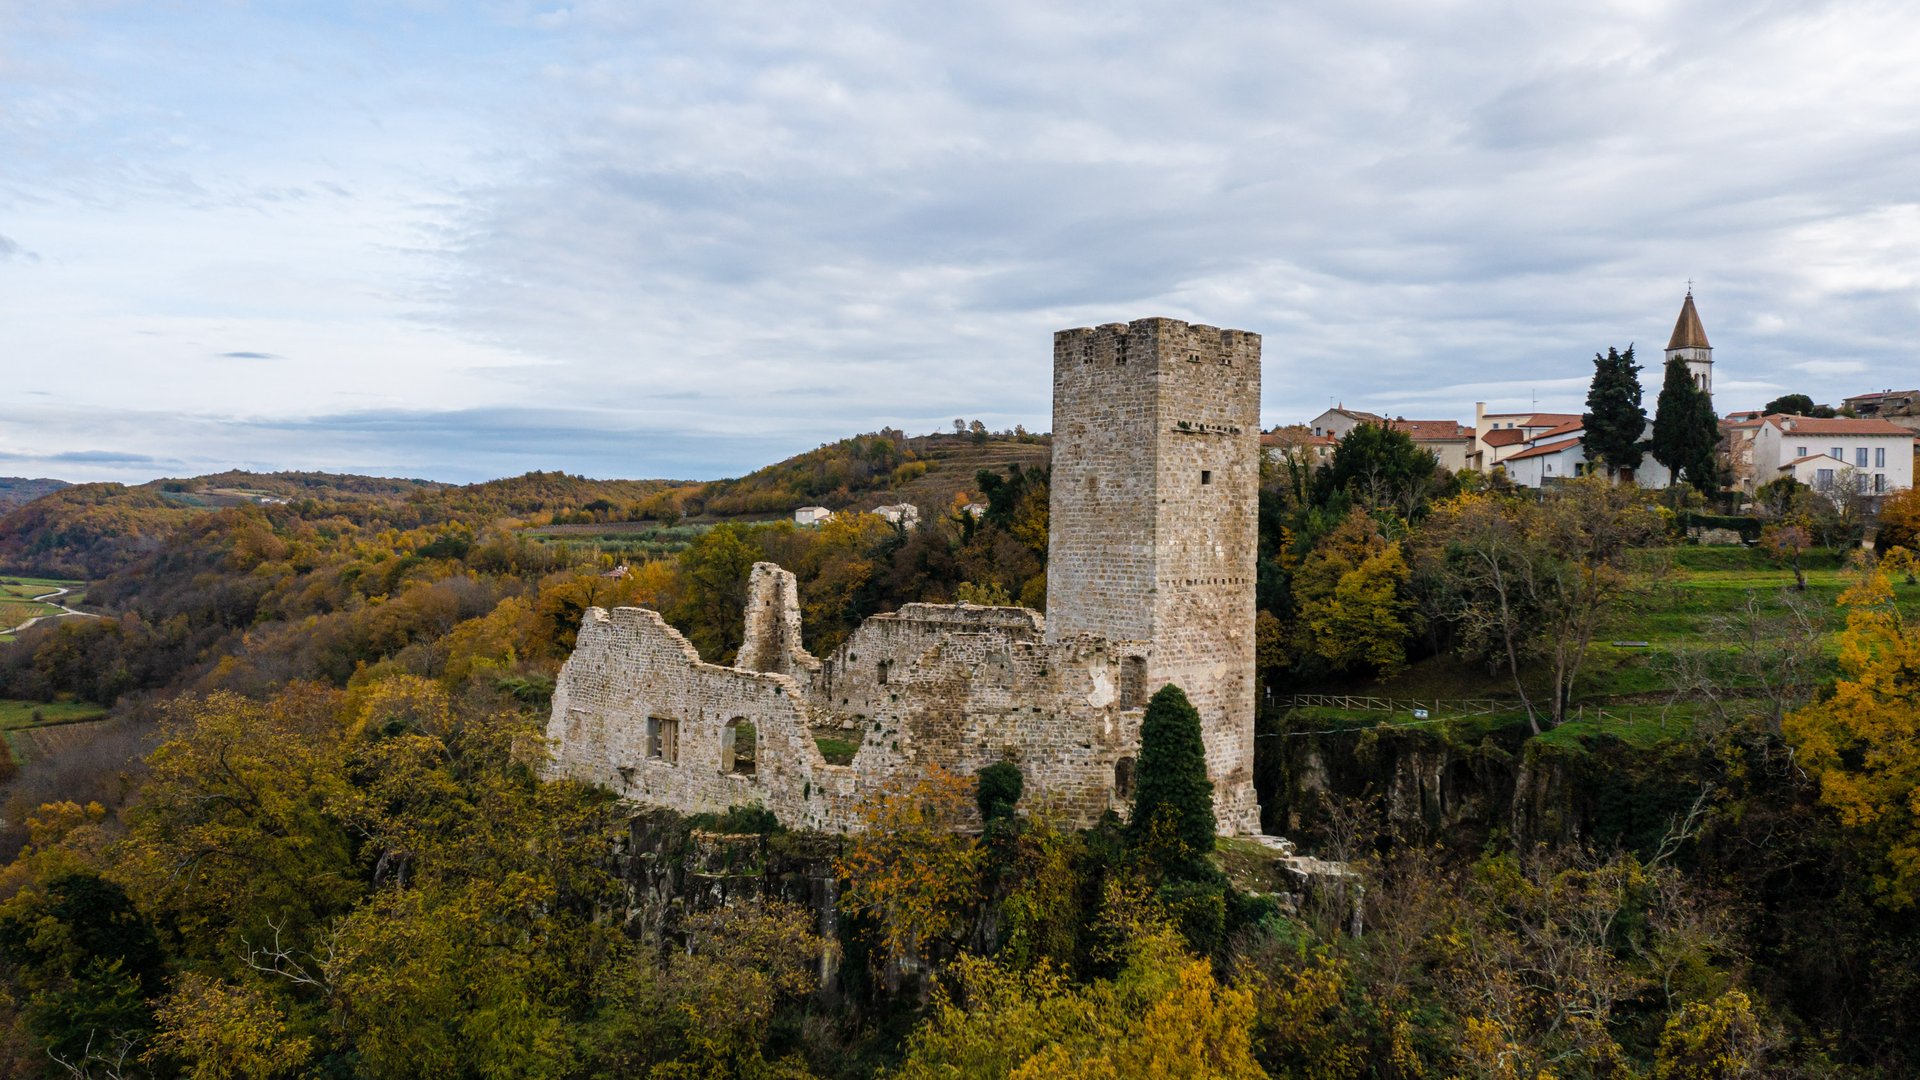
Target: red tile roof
x=1549 y=448
x=1504 y=437
x=1563 y=429
x=1432 y=430
x=1836 y=425
x=1810 y=457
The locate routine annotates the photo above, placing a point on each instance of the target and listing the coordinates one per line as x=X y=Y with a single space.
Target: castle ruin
x=1150 y=572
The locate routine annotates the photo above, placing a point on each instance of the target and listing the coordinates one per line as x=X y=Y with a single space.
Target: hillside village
x=1865 y=448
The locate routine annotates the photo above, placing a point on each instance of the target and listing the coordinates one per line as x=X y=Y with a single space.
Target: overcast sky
x=465 y=240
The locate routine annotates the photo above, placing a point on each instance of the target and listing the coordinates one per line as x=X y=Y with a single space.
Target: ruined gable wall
x=966 y=687
x=771 y=641
x=628 y=666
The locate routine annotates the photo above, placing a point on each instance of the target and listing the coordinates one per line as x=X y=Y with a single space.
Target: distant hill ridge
x=90 y=530
x=18 y=490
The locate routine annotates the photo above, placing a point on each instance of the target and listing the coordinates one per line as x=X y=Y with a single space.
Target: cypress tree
x=1172 y=797
x=1686 y=430
x=1614 y=419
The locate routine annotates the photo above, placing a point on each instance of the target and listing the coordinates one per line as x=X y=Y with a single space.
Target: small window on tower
x=1206 y=476
x=1193 y=358
x=1119 y=352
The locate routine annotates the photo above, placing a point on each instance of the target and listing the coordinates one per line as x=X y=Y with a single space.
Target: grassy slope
x=1701 y=586
x=17 y=604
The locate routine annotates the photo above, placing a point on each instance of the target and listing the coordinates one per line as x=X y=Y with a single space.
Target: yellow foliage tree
x=226 y=1031
x=910 y=870
x=1863 y=743
x=1718 y=1040
x=1164 y=1016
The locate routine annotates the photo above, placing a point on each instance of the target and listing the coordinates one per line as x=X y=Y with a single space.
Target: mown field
x=633 y=540
x=18 y=603
x=1692 y=605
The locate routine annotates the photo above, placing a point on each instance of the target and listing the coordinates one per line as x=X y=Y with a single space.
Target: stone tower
x=1154 y=518
x=1689 y=344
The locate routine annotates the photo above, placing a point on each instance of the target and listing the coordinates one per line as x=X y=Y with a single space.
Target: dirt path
x=65 y=611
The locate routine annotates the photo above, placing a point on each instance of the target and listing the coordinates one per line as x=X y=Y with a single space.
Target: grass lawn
x=836 y=750
x=17 y=603
x=1691 y=594
x=623 y=539
x=15 y=713
x=26 y=588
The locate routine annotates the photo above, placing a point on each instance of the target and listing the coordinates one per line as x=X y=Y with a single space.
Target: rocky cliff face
x=1420 y=787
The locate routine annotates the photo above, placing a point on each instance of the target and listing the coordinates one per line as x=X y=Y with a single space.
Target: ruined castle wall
x=629 y=667
x=965 y=687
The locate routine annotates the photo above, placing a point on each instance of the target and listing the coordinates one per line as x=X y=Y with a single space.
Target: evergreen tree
x=1791 y=404
x=1172 y=797
x=1614 y=418
x=1686 y=430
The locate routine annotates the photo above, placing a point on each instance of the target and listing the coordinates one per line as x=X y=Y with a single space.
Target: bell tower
x=1689 y=344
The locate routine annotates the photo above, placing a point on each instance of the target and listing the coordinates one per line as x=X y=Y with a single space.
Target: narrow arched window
x=739 y=747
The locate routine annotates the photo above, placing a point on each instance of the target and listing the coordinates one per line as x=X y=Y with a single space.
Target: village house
x=1337 y=421
x=1299 y=445
x=1895 y=406
x=1450 y=441
x=905 y=515
x=811 y=515
x=1835 y=454
x=1499 y=436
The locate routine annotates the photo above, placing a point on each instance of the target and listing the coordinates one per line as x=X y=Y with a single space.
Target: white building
x=1869 y=456
x=1558 y=453
x=1499 y=436
x=905 y=515
x=1336 y=422
x=811 y=515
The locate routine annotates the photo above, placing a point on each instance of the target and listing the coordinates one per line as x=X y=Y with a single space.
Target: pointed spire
x=1687 y=331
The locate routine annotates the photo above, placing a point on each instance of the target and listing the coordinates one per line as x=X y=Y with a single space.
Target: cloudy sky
x=464 y=240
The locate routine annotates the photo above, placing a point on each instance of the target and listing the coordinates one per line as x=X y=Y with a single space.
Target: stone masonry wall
x=964 y=687
x=1155 y=504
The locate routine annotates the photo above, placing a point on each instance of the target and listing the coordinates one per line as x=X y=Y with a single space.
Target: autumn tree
x=1351 y=595
x=1863 y=742
x=1531 y=582
x=910 y=870
x=1172 y=820
x=712 y=605
x=1163 y=1015
x=1898 y=522
x=1788 y=542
